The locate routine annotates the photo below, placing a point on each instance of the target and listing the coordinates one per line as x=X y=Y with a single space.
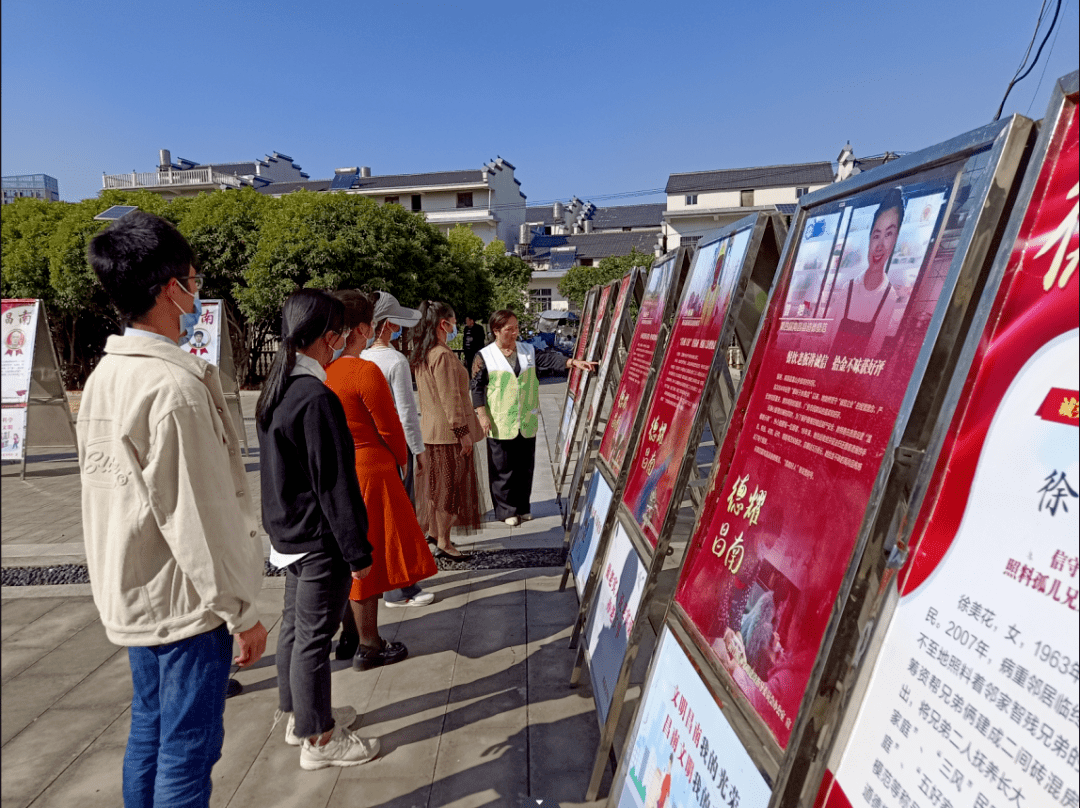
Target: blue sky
x=584 y=99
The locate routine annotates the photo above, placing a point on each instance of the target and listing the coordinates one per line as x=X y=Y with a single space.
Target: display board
x=973 y=695
x=646 y=349
x=578 y=383
x=565 y=435
x=35 y=407
x=876 y=280
x=681 y=749
x=690 y=363
x=587 y=536
x=617 y=328
x=644 y=356
x=686 y=392
x=210 y=341
x=617 y=604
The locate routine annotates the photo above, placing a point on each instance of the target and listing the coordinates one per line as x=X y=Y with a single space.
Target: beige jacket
x=445 y=407
x=170 y=529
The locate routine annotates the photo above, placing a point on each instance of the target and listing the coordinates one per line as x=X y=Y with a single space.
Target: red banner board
x=981 y=653
x=681 y=384
x=845 y=326
x=638 y=361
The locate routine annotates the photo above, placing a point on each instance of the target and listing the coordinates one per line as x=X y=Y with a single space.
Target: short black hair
x=893 y=200
x=135 y=257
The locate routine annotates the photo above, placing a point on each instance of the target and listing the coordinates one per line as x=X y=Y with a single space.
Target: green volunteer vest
x=513 y=401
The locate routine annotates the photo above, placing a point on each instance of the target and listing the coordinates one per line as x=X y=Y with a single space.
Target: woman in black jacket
x=314 y=513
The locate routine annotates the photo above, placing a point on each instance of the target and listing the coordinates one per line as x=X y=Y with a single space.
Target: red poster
x=580 y=347
x=609 y=345
x=681 y=383
x=973 y=695
x=578 y=378
x=780 y=524
x=638 y=360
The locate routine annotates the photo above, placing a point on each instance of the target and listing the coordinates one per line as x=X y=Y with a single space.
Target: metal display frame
x=762 y=254
x=560 y=458
x=616 y=478
x=1005 y=144
x=612 y=362
x=605 y=305
x=227 y=374
x=48 y=412
x=909 y=486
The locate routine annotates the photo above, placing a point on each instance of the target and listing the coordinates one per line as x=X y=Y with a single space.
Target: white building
x=188 y=178
x=701 y=201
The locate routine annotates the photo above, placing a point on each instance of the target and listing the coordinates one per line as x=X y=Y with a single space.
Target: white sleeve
x=405 y=400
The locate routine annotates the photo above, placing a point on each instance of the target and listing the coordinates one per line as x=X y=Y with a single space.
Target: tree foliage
x=253 y=251
x=578 y=280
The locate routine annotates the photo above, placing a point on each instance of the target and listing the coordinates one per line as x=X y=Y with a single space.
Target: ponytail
x=426 y=332
x=307 y=315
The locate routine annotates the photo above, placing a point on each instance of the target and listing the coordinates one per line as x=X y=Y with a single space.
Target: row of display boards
x=877 y=603
x=36 y=412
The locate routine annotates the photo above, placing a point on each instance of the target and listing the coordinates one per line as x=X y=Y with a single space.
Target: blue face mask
x=189 y=321
x=337 y=353
x=452 y=335
x=395 y=335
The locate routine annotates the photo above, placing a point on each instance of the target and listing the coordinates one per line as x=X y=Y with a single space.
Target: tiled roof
x=540 y=213
x=628 y=216
x=418 y=180
x=736 y=179
x=595 y=245
x=236 y=169
x=275 y=188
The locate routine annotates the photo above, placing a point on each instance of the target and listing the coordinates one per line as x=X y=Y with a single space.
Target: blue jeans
x=177 y=720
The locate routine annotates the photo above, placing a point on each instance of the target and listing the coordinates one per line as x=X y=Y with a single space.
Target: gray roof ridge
x=752 y=168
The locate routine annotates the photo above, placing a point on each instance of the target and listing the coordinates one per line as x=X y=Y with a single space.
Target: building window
x=628 y=229
x=585 y=262
x=416 y=203
x=392 y=200
x=801 y=191
x=746 y=198
x=691 y=199
x=540 y=299
x=689 y=241
x=464 y=200
x=547 y=231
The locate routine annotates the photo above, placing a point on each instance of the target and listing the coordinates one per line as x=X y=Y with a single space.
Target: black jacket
x=310 y=495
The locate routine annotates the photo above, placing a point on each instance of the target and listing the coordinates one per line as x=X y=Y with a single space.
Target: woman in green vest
x=506 y=396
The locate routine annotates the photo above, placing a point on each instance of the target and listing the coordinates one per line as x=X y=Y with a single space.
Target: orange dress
x=400 y=552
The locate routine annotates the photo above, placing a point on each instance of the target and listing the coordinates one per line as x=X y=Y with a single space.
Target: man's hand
x=252 y=645
x=359 y=575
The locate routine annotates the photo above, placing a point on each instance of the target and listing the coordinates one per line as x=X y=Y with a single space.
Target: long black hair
x=426 y=336
x=306 y=316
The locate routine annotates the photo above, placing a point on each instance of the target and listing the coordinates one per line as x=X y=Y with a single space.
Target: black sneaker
x=368 y=658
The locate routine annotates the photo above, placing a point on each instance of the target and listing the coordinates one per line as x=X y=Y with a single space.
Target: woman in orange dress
x=401 y=555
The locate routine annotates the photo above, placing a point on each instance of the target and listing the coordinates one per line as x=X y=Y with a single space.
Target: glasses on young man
x=188 y=279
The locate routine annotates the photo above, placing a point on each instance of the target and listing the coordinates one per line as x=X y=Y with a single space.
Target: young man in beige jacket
x=171 y=535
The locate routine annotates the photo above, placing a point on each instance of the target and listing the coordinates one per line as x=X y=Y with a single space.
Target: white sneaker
x=343 y=749
x=343 y=717
x=526 y=517
x=422 y=598
x=513 y=521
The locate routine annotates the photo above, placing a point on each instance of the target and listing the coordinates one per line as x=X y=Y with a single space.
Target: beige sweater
x=170 y=529
x=445 y=407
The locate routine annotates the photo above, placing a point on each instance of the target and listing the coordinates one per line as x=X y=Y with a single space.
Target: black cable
x=1038 y=53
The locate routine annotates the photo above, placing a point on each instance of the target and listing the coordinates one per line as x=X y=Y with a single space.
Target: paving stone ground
x=480 y=714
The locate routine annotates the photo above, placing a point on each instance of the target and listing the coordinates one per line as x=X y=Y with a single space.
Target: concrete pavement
x=480 y=714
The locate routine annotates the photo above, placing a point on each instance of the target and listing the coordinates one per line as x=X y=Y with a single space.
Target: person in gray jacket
x=175 y=564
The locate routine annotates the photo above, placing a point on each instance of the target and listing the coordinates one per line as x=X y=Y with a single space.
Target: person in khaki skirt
x=447 y=494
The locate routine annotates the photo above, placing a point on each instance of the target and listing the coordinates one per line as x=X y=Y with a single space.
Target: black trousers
x=510 y=472
x=316 y=594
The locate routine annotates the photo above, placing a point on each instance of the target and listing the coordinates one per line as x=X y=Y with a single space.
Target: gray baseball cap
x=388 y=308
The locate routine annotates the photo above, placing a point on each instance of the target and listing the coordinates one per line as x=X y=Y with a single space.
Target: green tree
x=577 y=282
x=27 y=225
x=223 y=230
